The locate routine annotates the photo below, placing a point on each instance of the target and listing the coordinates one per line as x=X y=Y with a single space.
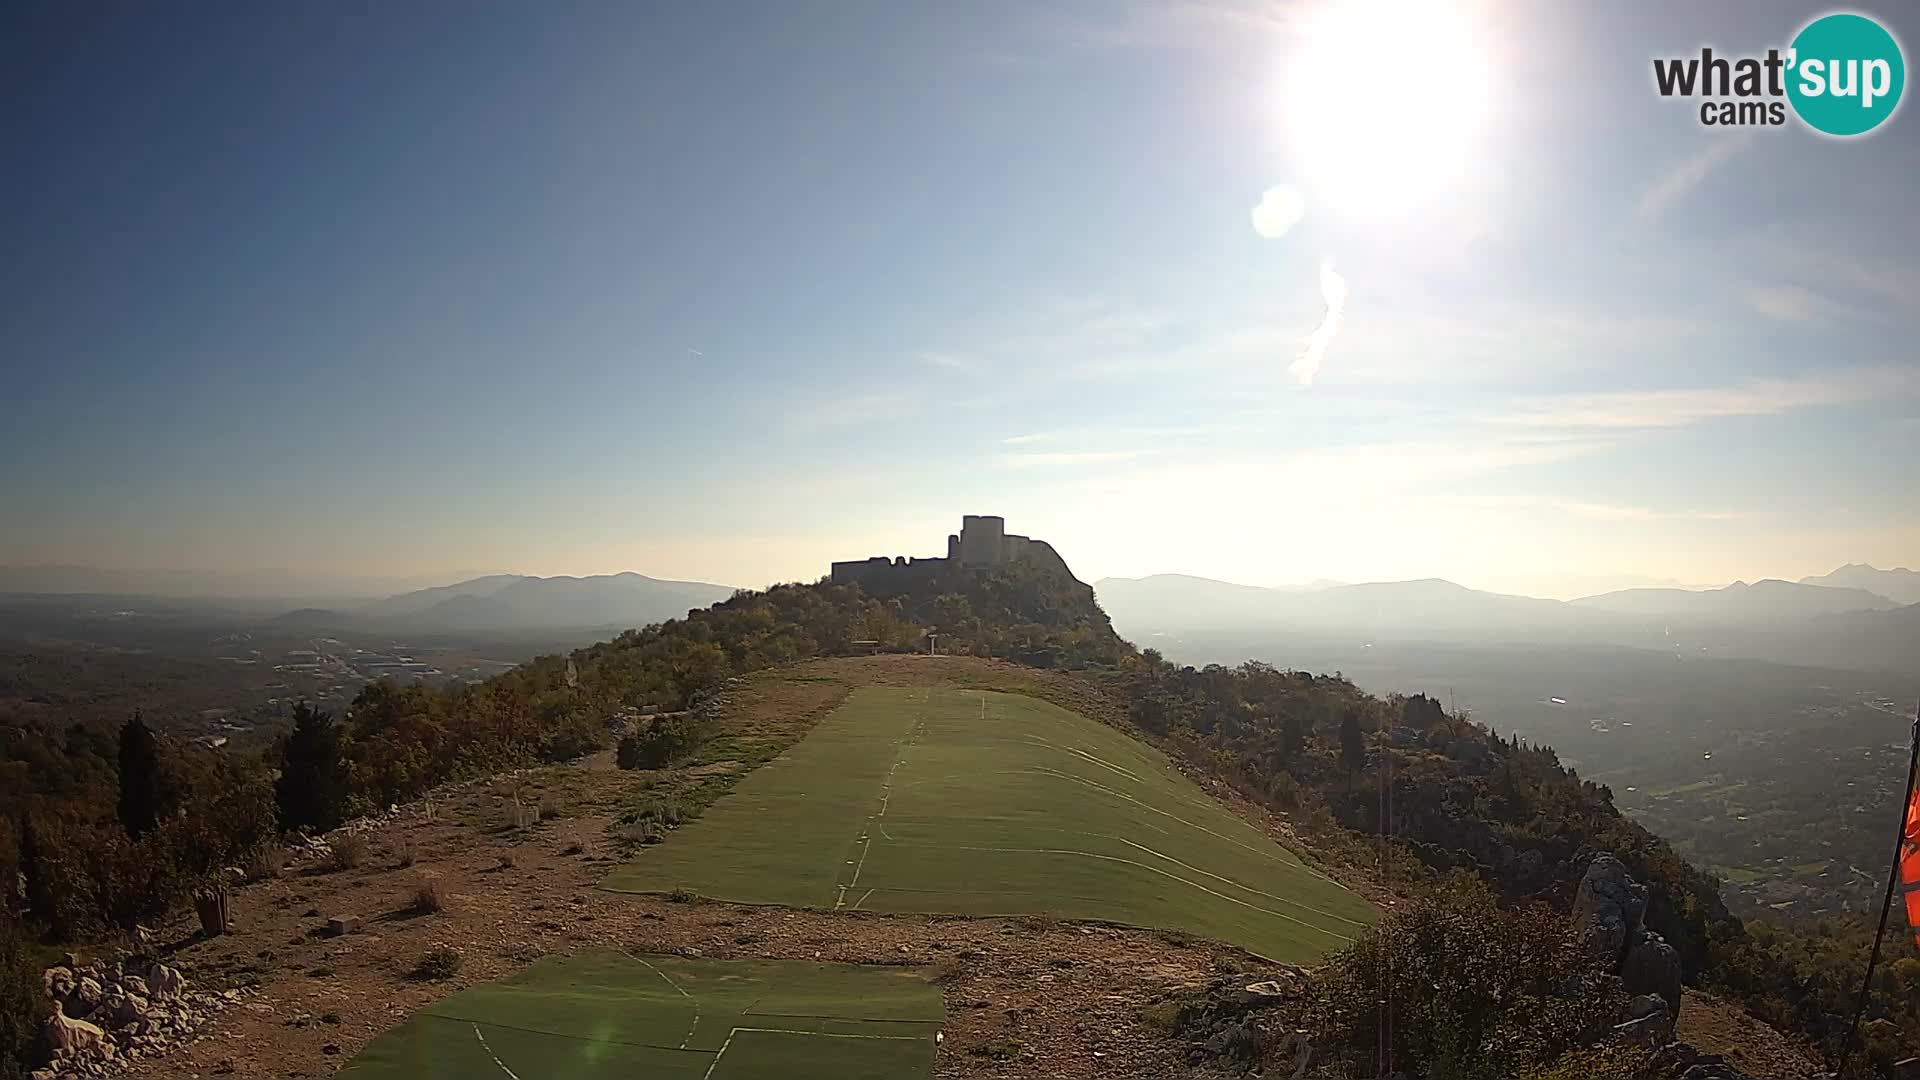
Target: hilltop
x=1482 y=830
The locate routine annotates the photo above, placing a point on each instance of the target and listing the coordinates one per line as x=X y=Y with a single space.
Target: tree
x=1353 y=744
x=33 y=867
x=140 y=781
x=1293 y=736
x=21 y=1004
x=311 y=791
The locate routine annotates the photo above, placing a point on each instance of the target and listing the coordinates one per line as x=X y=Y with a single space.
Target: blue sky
x=726 y=291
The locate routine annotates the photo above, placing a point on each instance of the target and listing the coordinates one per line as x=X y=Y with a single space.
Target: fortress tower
x=982 y=543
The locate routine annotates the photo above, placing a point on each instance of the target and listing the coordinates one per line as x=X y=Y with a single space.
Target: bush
x=1476 y=990
x=20 y=1001
x=661 y=742
x=406 y=854
x=348 y=850
x=428 y=897
x=549 y=808
x=267 y=863
x=438 y=963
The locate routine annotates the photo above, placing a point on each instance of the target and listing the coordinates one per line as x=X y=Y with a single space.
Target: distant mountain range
x=502 y=602
x=1781 y=620
x=1770 y=599
x=1899 y=584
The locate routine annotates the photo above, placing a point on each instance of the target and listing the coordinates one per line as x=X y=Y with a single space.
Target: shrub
x=662 y=741
x=683 y=895
x=438 y=963
x=406 y=854
x=549 y=808
x=1476 y=990
x=347 y=851
x=267 y=863
x=506 y=860
x=20 y=1001
x=428 y=897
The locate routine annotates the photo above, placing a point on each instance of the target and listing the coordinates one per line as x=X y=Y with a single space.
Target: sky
x=726 y=291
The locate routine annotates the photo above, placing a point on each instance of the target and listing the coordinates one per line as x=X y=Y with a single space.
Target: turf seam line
x=557 y=1034
x=1162 y=873
x=491 y=1054
x=695 y=1026
x=886 y=795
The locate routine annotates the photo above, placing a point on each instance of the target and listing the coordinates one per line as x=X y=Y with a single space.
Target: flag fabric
x=1910 y=865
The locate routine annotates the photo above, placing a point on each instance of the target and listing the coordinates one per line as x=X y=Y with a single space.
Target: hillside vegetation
x=1343 y=767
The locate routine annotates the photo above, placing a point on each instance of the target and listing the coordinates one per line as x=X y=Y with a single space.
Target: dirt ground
x=1024 y=996
x=1721 y=1027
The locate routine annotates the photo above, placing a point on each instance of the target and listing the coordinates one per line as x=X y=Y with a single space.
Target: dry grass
x=429 y=896
x=348 y=850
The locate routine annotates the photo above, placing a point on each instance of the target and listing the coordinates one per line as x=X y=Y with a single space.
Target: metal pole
x=1893 y=878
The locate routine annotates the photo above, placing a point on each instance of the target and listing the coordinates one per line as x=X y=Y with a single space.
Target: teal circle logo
x=1845 y=74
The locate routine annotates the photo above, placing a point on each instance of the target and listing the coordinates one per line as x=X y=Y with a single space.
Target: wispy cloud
x=1787 y=303
x=1676 y=183
x=1333 y=289
x=1070 y=457
x=950 y=361
x=1022 y=440
x=1679 y=407
x=1586 y=510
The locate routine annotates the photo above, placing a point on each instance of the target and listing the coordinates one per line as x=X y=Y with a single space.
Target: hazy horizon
x=724 y=297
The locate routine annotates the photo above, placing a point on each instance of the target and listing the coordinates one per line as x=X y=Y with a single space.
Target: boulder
x=1653 y=967
x=341 y=925
x=86 y=997
x=71 y=1037
x=1609 y=907
x=1648 y=1032
x=165 y=982
x=58 y=981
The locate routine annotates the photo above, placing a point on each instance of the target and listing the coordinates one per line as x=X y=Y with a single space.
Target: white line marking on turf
x=789 y=1031
x=886 y=796
x=663 y=975
x=491 y=1054
x=1164 y=874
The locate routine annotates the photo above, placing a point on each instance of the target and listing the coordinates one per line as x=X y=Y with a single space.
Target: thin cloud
x=1278 y=211
x=1333 y=289
x=1070 y=457
x=1786 y=303
x=1022 y=440
x=1679 y=181
x=1681 y=407
x=949 y=361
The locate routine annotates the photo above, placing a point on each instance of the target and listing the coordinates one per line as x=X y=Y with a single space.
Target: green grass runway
x=981 y=803
x=613 y=1016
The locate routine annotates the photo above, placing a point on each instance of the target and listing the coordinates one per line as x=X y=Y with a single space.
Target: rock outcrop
x=104 y=1015
x=1610 y=913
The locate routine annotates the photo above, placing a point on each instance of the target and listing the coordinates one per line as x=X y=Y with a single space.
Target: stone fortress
x=982 y=543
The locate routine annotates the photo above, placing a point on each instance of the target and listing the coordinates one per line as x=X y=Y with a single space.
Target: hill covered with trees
x=1395 y=788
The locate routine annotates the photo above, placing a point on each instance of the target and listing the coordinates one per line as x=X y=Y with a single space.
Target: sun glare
x=1387 y=101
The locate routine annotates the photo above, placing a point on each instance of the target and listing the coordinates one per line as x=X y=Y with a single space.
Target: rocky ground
x=1024 y=996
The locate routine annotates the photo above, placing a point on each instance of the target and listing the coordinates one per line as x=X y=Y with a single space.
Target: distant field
x=613 y=1016
x=981 y=803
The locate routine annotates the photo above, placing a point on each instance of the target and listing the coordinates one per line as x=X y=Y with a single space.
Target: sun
x=1387 y=101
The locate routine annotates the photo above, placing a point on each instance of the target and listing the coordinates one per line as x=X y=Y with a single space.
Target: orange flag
x=1910 y=865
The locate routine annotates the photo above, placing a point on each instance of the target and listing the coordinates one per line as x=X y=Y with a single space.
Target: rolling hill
x=513 y=602
x=1768 y=599
x=1899 y=584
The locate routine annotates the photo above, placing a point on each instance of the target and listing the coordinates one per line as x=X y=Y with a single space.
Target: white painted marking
x=491 y=1054
x=663 y=975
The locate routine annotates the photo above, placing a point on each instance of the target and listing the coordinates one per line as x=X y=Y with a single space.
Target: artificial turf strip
x=982 y=803
x=603 y=1015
